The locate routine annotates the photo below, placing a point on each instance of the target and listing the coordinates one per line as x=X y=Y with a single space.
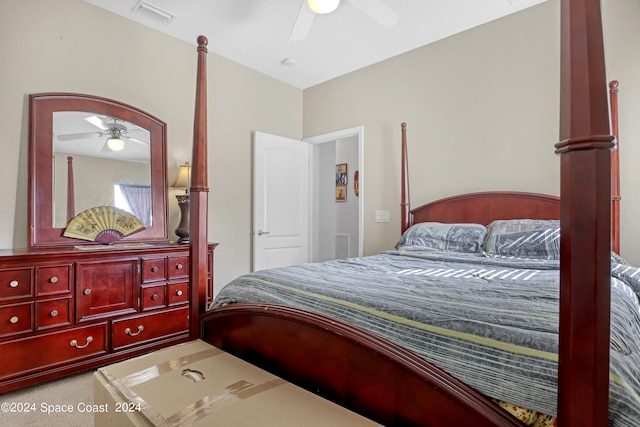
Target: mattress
x=490 y=321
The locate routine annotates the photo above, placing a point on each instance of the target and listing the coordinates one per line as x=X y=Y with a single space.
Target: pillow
x=523 y=238
x=436 y=236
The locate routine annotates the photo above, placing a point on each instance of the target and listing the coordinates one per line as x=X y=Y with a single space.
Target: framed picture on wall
x=342 y=176
x=341 y=182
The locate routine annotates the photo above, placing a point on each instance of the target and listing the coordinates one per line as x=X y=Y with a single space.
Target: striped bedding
x=492 y=322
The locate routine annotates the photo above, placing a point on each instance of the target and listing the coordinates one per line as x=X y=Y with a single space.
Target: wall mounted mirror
x=86 y=151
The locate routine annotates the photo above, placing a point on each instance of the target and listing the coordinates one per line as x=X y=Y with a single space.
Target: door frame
x=330 y=137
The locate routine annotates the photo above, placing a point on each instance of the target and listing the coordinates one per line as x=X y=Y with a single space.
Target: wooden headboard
x=485 y=207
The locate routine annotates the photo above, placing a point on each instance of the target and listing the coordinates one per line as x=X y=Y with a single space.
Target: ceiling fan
x=377 y=10
x=116 y=133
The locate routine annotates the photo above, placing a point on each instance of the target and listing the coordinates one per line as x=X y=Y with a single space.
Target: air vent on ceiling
x=154 y=12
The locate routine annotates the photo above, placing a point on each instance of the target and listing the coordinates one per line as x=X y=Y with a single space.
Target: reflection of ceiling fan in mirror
x=117 y=134
x=374 y=9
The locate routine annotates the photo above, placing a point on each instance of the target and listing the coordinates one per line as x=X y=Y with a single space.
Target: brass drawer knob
x=179 y=292
x=154 y=297
x=54 y=279
x=179 y=266
x=14 y=283
x=86 y=291
x=14 y=319
x=154 y=269
x=54 y=313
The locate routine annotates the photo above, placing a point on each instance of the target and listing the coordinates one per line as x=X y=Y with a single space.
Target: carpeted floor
x=56 y=403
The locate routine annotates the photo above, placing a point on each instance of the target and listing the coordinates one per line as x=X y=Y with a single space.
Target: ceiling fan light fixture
x=323 y=6
x=115 y=144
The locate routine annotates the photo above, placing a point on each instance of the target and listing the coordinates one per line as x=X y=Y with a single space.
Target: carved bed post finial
x=615 y=169
x=405 y=204
x=199 y=194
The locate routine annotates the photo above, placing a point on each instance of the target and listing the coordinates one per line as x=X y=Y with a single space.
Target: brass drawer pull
x=54 y=279
x=74 y=343
x=14 y=320
x=14 y=283
x=154 y=269
x=179 y=292
x=53 y=313
x=86 y=291
x=128 y=331
x=154 y=297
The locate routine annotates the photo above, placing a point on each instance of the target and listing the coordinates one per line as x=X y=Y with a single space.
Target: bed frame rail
x=342 y=363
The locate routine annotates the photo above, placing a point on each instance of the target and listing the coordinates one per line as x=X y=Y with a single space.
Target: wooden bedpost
x=199 y=193
x=71 y=191
x=615 y=169
x=585 y=218
x=405 y=204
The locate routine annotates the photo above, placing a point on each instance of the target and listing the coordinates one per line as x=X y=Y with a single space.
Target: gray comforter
x=491 y=322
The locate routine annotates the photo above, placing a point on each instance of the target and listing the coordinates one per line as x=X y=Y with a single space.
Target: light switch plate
x=382 y=216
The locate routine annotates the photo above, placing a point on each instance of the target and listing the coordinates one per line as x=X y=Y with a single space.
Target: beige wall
x=481 y=108
x=622 y=44
x=482 y=114
x=72 y=46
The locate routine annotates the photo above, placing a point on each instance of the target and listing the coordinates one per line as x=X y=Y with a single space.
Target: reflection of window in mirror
x=135 y=199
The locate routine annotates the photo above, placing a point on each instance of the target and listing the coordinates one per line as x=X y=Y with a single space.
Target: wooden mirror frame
x=42 y=233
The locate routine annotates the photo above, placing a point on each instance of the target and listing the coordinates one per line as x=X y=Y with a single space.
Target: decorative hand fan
x=103 y=224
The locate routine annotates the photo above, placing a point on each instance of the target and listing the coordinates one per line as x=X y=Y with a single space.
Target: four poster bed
x=321 y=345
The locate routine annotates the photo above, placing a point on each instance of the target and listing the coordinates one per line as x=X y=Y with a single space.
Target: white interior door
x=280 y=201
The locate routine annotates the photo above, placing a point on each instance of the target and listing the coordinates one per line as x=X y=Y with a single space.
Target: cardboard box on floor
x=196 y=384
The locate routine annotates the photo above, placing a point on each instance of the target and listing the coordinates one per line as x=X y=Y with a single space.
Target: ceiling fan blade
x=97 y=122
x=128 y=138
x=303 y=23
x=378 y=11
x=73 y=136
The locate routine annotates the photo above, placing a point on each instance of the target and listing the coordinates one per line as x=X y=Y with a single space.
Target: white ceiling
x=256 y=33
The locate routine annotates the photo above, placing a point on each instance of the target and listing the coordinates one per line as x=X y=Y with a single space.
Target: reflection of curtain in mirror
x=139 y=199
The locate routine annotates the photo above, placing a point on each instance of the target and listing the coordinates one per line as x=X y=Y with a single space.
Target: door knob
x=260 y=232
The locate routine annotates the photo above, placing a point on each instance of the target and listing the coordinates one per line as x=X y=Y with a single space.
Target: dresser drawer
x=53 y=313
x=177 y=293
x=15 y=319
x=53 y=280
x=139 y=329
x=153 y=269
x=44 y=351
x=153 y=297
x=15 y=283
x=178 y=267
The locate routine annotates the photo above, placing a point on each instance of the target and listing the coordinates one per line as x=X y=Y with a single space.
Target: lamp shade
x=323 y=6
x=115 y=144
x=183 y=179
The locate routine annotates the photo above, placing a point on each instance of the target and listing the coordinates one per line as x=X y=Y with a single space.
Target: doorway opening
x=337 y=202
